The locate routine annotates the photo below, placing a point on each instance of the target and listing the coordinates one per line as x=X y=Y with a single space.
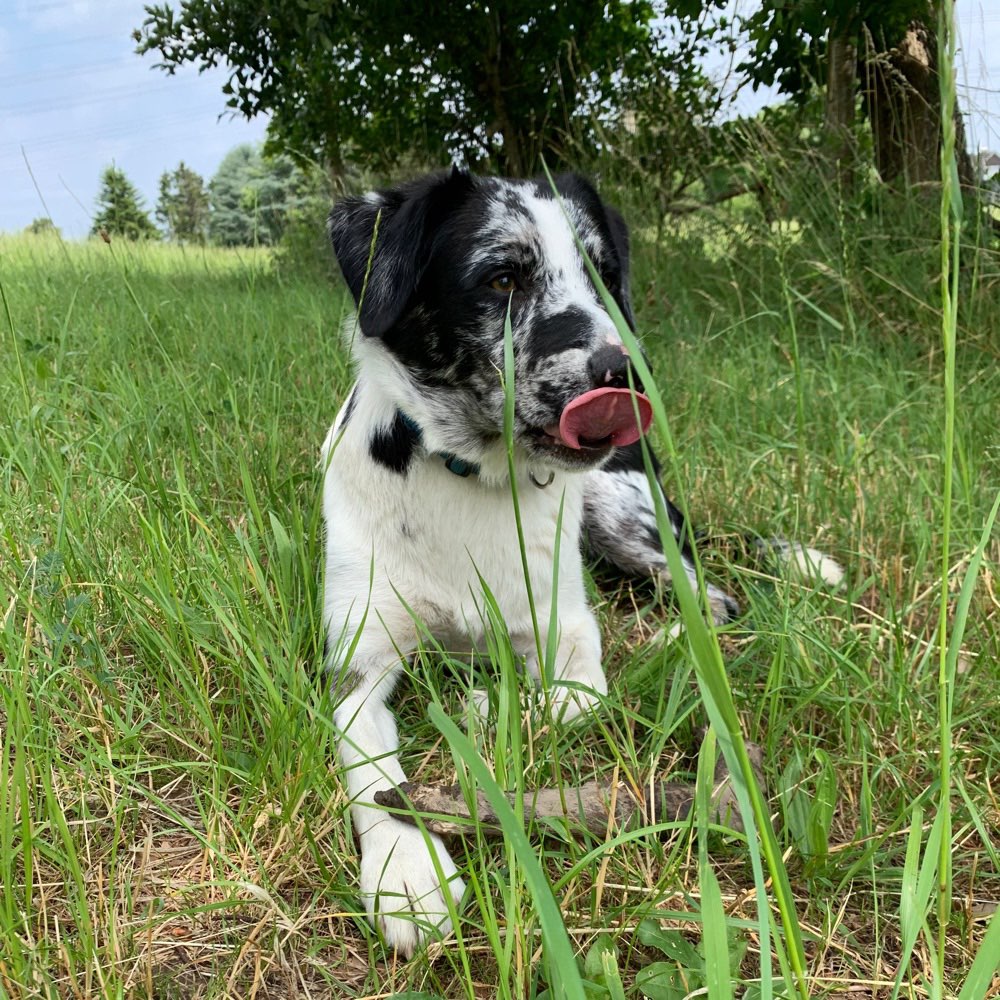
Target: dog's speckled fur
x=417 y=500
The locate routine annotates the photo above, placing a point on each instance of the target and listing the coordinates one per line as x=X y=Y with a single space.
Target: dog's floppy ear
x=612 y=227
x=382 y=242
x=619 y=238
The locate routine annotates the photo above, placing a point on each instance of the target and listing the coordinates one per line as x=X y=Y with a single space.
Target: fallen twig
x=597 y=806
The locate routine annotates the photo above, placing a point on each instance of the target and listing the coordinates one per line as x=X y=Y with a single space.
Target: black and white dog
x=417 y=502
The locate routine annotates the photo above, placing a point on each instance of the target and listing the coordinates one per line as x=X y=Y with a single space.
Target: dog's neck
x=455 y=465
x=387 y=392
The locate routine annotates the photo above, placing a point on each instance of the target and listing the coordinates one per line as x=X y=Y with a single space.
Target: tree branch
x=726 y=194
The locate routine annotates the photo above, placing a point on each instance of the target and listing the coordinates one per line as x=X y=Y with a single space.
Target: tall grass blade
x=564 y=975
x=985 y=965
x=715 y=932
x=713 y=681
x=917 y=886
x=508 y=434
x=951 y=222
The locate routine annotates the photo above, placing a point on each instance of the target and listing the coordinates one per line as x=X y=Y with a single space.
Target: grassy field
x=172 y=823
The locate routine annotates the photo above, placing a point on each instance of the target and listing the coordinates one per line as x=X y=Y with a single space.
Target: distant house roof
x=988 y=160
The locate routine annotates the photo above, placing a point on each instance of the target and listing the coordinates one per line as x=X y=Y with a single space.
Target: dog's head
x=435 y=265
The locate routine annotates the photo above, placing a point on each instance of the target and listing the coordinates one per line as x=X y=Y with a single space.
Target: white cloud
x=63 y=15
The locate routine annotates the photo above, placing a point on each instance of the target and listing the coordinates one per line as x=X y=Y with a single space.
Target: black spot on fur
x=402 y=223
x=562 y=331
x=652 y=533
x=393 y=447
x=512 y=202
x=680 y=530
x=629 y=459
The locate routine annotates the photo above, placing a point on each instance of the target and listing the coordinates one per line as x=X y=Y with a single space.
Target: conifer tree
x=43 y=226
x=120 y=211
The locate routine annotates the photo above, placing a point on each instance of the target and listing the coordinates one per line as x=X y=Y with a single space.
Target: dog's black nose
x=609 y=368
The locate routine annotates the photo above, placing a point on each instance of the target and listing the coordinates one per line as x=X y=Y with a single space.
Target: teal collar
x=455 y=465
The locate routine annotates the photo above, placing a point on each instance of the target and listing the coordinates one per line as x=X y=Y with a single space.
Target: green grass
x=171 y=816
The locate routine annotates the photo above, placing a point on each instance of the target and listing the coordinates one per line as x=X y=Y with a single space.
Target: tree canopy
x=791 y=41
x=884 y=50
x=252 y=197
x=182 y=208
x=43 y=226
x=502 y=81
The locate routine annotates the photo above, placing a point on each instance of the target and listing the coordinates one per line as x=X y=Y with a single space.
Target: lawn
x=172 y=822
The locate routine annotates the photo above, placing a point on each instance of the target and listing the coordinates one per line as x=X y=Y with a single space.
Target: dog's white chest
x=435 y=543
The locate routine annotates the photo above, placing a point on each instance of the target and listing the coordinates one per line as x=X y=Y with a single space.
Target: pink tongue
x=605 y=413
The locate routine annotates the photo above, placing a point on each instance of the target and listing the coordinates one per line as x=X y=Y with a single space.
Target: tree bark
x=841 y=80
x=904 y=106
x=494 y=88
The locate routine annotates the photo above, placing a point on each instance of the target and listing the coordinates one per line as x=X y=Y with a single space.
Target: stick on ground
x=445 y=810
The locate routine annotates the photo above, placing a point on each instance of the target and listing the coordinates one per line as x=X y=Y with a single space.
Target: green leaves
x=689 y=969
x=254 y=197
x=808 y=790
x=373 y=83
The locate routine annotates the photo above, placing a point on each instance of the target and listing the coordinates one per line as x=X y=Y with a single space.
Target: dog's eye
x=505 y=283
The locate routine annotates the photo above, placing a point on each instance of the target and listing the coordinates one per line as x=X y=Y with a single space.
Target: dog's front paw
x=403 y=893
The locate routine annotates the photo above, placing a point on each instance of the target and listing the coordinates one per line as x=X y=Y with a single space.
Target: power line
x=76 y=40
x=84 y=69
x=119 y=93
x=155 y=128
x=150 y=126
x=47 y=5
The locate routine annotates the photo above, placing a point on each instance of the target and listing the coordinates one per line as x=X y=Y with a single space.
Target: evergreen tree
x=119 y=209
x=253 y=197
x=182 y=209
x=230 y=194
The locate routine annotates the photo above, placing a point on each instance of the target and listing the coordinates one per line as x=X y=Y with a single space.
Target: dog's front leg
x=404 y=870
x=579 y=682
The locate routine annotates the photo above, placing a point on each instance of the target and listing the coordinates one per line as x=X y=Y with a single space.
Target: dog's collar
x=455 y=465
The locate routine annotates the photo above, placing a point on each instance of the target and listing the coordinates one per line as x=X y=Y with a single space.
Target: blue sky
x=76 y=98
x=75 y=95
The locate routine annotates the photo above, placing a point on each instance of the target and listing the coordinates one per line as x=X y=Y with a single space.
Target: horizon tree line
x=250 y=200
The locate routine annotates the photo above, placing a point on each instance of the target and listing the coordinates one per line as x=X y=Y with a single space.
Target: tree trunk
x=333 y=163
x=904 y=106
x=841 y=80
x=510 y=157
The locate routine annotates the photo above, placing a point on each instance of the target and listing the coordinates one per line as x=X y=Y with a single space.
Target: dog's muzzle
x=610 y=415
